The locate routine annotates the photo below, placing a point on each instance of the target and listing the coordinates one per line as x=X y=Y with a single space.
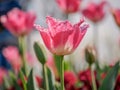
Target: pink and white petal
x=45 y=36
x=47 y=40
x=61 y=38
x=50 y=21
x=79 y=34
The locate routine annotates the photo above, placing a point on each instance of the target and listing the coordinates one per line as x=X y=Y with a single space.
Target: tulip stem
x=46 y=86
x=62 y=72
x=93 y=79
x=22 y=53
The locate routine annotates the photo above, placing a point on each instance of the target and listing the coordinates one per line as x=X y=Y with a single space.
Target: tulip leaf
x=30 y=83
x=14 y=80
x=109 y=81
x=23 y=80
x=39 y=53
x=50 y=79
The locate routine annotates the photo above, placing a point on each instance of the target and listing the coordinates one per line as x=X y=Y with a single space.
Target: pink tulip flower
x=94 y=12
x=11 y=53
x=61 y=37
x=18 y=22
x=116 y=14
x=69 y=6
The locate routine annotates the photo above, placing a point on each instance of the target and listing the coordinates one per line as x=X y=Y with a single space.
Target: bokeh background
x=108 y=33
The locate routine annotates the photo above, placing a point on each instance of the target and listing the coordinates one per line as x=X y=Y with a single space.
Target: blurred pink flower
x=62 y=38
x=94 y=12
x=117 y=84
x=116 y=14
x=86 y=78
x=32 y=61
x=3 y=72
x=39 y=81
x=69 y=6
x=12 y=55
x=70 y=80
x=18 y=22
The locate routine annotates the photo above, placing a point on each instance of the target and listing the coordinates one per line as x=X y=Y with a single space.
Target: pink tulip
x=94 y=12
x=116 y=14
x=69 y=6
x=3 y=72
x=61 y=37
x=18 y=22
x=11 y=53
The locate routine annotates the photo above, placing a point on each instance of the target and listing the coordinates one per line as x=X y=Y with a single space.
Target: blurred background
x=105 y=34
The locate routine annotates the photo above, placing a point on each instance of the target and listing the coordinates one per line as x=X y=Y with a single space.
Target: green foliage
x=23 y=80
x=30 y=82
x=50 y=79
x=109 y=81
x=14 y=80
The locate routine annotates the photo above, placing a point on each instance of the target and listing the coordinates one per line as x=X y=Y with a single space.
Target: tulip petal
x=46 y=37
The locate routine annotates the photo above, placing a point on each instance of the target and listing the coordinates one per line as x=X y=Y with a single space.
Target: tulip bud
x=90 y=55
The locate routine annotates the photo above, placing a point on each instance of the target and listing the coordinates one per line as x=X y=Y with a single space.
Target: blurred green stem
x=62 y=72
x=93 y=79
x=22 y=53
x=45 y=77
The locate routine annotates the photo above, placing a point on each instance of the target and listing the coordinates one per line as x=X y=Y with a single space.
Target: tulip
x=117 y=84
x=70 y=80
x=61 y=37
x=94 y=12
x=69 y=6
x=86 y=78
x=11 y=53
x=18 y=22
x=116 y=14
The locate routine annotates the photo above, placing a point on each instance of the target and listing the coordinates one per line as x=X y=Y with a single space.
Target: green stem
x=93 y=79
x=45 y=77
x=22 y=52
x=62 y=72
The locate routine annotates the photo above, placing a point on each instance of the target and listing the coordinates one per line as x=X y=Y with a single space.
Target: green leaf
x=39 y=53
x=30 y=83
x=23 y=80
x=109 y=81
x=14 y=80
x=50 y=79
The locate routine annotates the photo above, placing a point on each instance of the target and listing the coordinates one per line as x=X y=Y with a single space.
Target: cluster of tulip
x=61 y=38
